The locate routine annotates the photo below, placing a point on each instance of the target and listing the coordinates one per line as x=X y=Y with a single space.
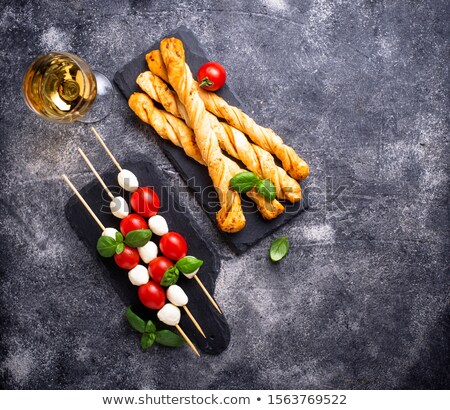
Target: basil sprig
x=278 y=249
x=107 y=246
x=170 y=276
x=188 y=264
x=246 y=180
x=150 y=334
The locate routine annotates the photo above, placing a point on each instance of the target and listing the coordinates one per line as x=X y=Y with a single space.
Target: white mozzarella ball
x=127 y=180
x=158 y=225
x=148 y=252
x=176 y=295
x=111 y=232
x=119 y=207
x=138 y=275
x=191 y=275
x=169 y=314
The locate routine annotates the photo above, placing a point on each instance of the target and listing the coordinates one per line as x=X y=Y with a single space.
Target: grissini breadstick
x=231 y=140
x=266 y=138
x=144 y=108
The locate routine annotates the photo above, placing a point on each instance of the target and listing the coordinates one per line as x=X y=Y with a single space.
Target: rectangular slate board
x=195 y=175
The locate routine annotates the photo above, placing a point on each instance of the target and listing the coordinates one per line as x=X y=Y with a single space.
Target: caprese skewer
x=138 y=207
x=149 y=292
x=174 y=246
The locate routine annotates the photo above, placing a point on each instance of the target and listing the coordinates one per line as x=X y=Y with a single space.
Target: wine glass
x=61 y=87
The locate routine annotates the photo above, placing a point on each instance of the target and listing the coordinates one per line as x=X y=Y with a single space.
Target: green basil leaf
x=106 y=246
x=278 y=249
x=147 y=340
x=120 y=247
x=188 y=264
x=170 y=277
x=244 y=181
x=266 y=188
x=119 y=237
x=150 y=327
x=134 y=320
x=168 y=338
x=138 y=238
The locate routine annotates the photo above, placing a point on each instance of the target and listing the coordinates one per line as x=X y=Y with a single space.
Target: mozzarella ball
x=158 y=225
x=176 y=295
x=111 y=232
x=119 y=207
x=169 y=314
x=127 y=180
x=138 y=275
x=148 y=252
x=191 y=275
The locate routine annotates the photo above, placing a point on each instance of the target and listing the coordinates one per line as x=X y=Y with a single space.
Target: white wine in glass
x=61 y=87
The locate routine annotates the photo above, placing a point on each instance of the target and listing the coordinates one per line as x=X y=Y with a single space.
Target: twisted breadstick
x=175 y=130
x=231 y=140
x=264 y=137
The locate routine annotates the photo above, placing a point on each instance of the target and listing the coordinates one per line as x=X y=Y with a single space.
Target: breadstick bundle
x=190 y=121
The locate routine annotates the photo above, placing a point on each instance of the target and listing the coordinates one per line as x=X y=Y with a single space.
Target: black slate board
x=196 y=175
x=213 y=324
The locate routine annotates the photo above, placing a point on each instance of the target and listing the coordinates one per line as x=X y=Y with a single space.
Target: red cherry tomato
x=145 y=202
x=157 y=268
x=132 y=222
x=173 y=245
x=211 y=76
x=128 y=258
x=152 y=295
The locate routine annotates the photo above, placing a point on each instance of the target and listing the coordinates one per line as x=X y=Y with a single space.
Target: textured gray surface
x=362 y=301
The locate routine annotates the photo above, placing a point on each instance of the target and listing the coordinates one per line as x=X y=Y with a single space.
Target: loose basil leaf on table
x=278 y=249
x=170 y=277
x=135 y=321
x=138 y=238
x=244 y=181
x=188 y=264
x=167 y=338
x=266 y=188
x=150 y=327
x=106 y=246
x=147 y=340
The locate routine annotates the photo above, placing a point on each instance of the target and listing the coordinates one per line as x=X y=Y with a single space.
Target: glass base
x=103 y=101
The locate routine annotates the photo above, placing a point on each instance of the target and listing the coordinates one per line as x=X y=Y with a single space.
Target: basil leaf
x=168 y=338
x=150 y=327
x=120 y=247
x=278 y=249
x=170 y=277
x=147 y=340
x=106 y=246
x=244 y=181
x=134 y=320
x=188 y=264
x=138 y=238
x=266 y=188
x=119 y=237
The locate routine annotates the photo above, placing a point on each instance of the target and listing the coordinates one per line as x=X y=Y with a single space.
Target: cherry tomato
x=173 y=245
x=132 y=222
x=152 y=295
x=211 y=76
x=128 y=258
x=157 y=268
x=145 y=202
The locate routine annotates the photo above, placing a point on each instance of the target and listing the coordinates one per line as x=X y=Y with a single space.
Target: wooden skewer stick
x=95 y=173
x=100 y=140
x=194 y=321
x=207 y=294
x=88 y=208
x=188 y=341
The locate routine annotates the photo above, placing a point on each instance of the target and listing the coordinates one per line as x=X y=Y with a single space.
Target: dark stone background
x=359 y=88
